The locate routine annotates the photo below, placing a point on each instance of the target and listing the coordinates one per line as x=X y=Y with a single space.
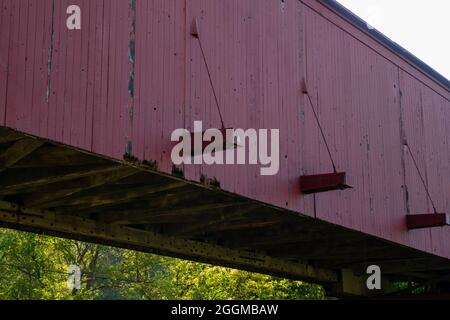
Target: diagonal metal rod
x=421 y=177
x=305 y=91
x=210 y=79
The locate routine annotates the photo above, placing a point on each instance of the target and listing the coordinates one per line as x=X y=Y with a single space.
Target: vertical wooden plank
x=29 y=65
x=76 y=108
x=119 y=83
x=69 y=99
x=107 y=144
x=56 y=72
x=140 y=90
x=130 y=75
x=169 y=89
x=147 y=63
x=193 y=78
x=44 y=52
x=180 y=60
x=245 y=115
x=101 y=38
x=100 y=132
x=124 y=97
x=307 y=128
x=6 y=13
x=293 y=72
x=294 y=118
x=22 y=104
x=79 y=106
x=413 y=127
x=14 y=84
x=93 y=46
x=174 y=107
x=310 y=130
x=158 y=82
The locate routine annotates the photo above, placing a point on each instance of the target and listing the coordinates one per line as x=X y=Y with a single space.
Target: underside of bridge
x=53 y=189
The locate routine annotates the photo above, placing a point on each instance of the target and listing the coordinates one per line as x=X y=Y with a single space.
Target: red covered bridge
x=86 y=118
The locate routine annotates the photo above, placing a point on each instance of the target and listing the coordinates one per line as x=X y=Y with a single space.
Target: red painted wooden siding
x=89 y=89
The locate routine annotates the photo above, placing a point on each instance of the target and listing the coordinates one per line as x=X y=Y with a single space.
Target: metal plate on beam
x=323 y=182
x=430 y=220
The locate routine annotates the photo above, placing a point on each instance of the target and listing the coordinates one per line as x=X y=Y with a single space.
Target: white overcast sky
x=420 y=26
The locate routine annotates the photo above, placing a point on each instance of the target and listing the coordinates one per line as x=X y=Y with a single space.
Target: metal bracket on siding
x=432 y=220
x=194 y=28
x=429 y=220
x=323 y=183
x=227 y=144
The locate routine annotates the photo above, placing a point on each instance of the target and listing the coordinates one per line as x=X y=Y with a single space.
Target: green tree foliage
x=34 y=267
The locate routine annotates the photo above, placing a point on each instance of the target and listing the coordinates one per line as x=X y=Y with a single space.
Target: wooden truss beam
x=206 y=224
x=174 y=197
x=13 y=216
x=118 y=196
x=8 y=136
x=164 y=215
x=18 y=151
x=57 y=193
x=28 y=179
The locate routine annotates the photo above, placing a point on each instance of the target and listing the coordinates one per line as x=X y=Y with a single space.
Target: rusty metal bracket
x=430 y=220
x=323 y=183
x=227 y=145
x=194 y=28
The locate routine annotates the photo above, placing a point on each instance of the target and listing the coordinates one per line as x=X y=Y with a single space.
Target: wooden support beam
x=244 y=224
x=58 y=192
x=336 y=250
x=117 y=197
x=286 y=232
x=56 y=156
x=22 y=180
x=430 y=220
x=174 y=197
x=163 y=216
x=210 y=222
x=73 y=227
x=8 y=136
x=18 y=151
